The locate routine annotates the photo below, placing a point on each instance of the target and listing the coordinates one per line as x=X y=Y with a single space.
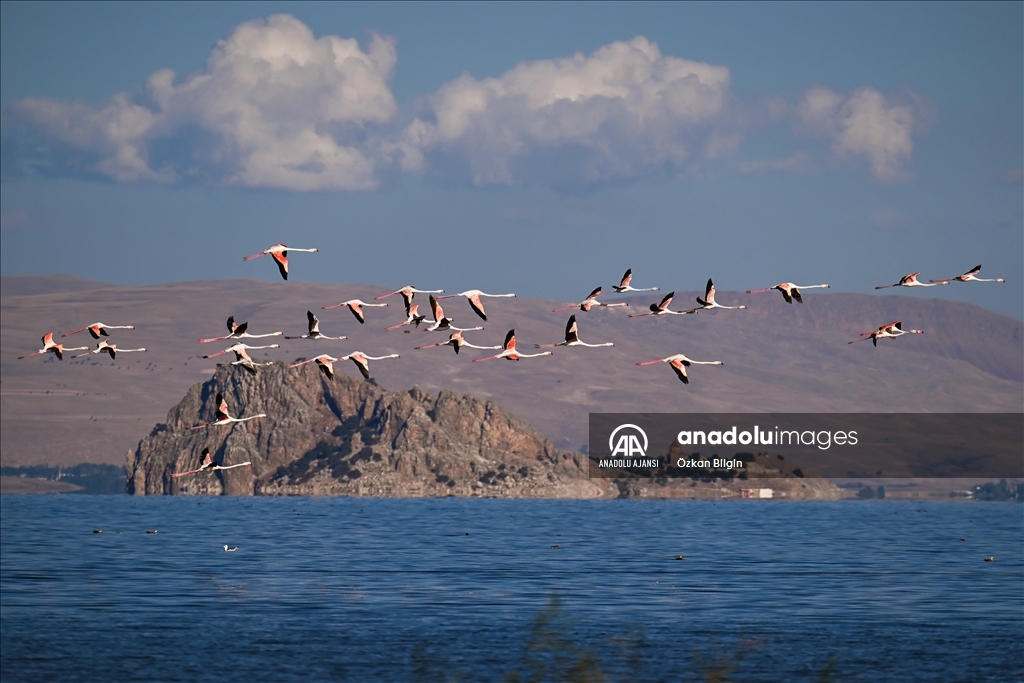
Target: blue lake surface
x=357 y=589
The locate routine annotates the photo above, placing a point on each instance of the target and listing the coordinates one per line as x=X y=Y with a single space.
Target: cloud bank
x=276 y=107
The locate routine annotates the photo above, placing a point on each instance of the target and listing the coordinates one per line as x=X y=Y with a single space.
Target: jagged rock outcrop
x=350 y=437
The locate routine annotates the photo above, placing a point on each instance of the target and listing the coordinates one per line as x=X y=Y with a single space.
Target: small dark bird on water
x=990 y=559
x=153 y=531
x=97 y=531
x=230 y=548
x=680 y=557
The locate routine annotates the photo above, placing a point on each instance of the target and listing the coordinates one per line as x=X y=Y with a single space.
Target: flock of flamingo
x=442 y=323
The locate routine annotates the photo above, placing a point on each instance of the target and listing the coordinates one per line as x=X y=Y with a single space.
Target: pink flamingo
x=911 y=281
x=623 y=286
x=789 y=290
x=679 y=363
x=324 y=362
x=358 y=357
x=588 y=303
x=110 y=349
x=97 y=329
x=208 y=465
x=888 y=331
x=457 y=342
x=362 y=361
x=280 y=254
x=509 y=350
x=571 y=337
x=970 y=276
x=414 y=318
x=408 y=292
x=473 y=296
x=242 y=357
x=314 y=329
x=662 y=308
x=238 y=332
x=50 y=346
x=224 y=417
x=356 y=306
x=440 y=322
x=708 y=302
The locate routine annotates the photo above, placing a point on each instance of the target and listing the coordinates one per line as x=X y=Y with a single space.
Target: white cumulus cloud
x=277 y=107
x=274 y=107
x=864 y=124
x=624 y=111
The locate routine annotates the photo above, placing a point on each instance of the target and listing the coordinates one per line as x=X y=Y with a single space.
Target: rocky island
x=349 y=437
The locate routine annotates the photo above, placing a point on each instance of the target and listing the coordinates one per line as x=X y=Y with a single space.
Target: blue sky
x=528 y=147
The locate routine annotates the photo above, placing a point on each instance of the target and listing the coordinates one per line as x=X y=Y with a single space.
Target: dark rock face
x=350 y=437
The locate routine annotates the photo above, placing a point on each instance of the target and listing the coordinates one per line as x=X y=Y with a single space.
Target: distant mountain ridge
x=777 y=357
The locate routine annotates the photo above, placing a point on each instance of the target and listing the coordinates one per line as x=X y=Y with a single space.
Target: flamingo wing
x=510 y=341
x=281 y=258
x=477 y=305
x=436 y=309
x=626 y=278
x=362 y=364
x=326 y=367
x=596 y=293
x=680 y=370
x=571 y=330
x=796 y=295
x=222 y=408
x=357 y=311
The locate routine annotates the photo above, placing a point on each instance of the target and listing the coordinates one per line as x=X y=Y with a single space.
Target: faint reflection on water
x=371 y=589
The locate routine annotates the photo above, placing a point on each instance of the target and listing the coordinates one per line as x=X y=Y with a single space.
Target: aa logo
x=628 y=445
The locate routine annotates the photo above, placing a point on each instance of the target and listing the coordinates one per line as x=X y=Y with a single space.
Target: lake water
x=344 y=589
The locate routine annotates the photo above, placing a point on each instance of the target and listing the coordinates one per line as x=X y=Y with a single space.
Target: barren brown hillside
x=777 y=357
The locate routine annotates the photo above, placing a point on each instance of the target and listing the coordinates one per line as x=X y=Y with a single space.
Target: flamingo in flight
x=662 y=308
x=314 y=329
x=52 y=347
x=356 y=306
x=679 y=363
x=236 y=331
x=361 y=360
x=572 y=337
x=588 y=303
x=242 y=357
x=623 y=286
x=708 y=302
x=324 y=361
x=414 y=318
x=208 y=465
x=888 y=331
x=789 y=290
x=970 y=276
x=457 y=342
x=280 y=254
x=110 y=349
x=97 y=329
x=408 y=292
x=509 y=350
x=224 y=417
x=440 y=322
x=911 y=281
x=473 y=296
